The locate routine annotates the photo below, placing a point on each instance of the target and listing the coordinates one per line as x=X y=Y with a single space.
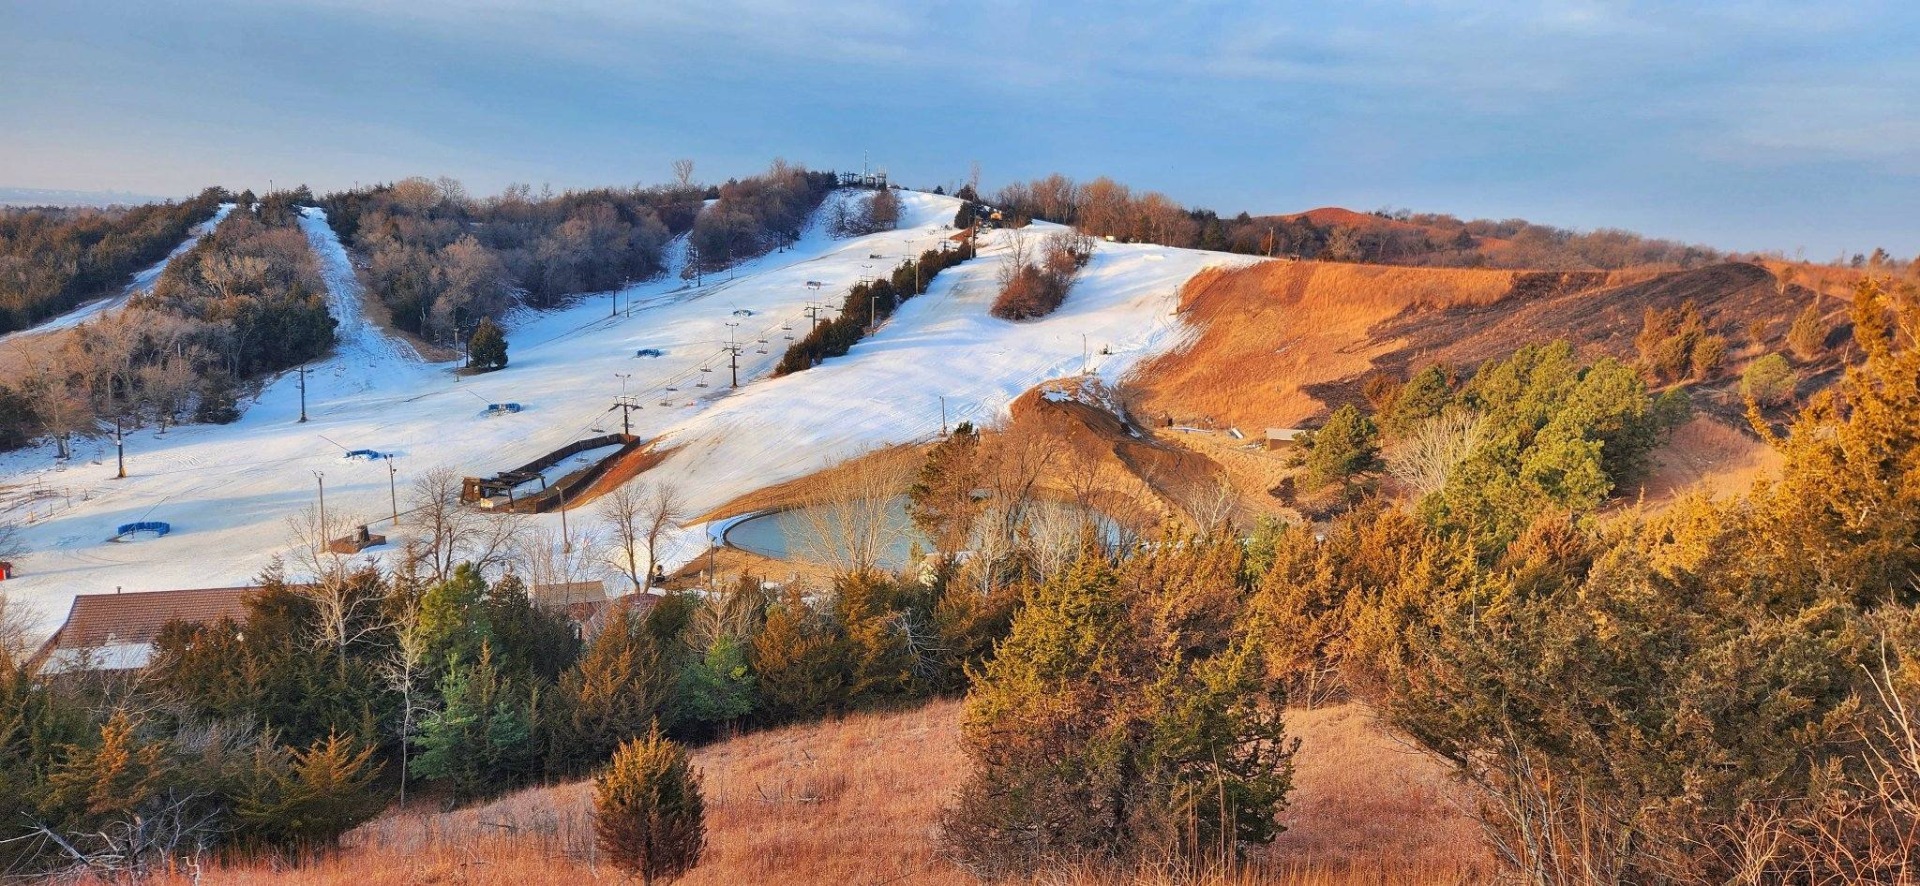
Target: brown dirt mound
x=1120 y=469
x=1281 y=343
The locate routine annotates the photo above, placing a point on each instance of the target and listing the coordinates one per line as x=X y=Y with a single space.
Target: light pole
x=393 y=490
x=623 y=376
x=322 y=480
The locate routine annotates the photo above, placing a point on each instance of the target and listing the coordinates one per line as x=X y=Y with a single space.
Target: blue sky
x=1746 y=125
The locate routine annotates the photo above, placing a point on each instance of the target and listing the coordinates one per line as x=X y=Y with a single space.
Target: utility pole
x=393 y=491
x=303 y=393
x=120 y=443
x=943 y=415
x=626 y=405
x=733 y=353
x=1085 y=357
x=322 y=479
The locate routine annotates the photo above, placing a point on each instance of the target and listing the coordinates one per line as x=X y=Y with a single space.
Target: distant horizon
x=79 y=198
x=1750 y=125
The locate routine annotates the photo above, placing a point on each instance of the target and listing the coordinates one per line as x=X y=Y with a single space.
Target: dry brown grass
x=1705 y=455
x=802 y=490
x=1268 y=330
x=856 y=801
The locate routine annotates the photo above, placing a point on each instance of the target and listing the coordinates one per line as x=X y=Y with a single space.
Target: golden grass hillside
x=1266 y=332
x=856 y=802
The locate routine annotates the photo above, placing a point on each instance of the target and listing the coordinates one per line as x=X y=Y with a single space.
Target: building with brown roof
x=116 y=631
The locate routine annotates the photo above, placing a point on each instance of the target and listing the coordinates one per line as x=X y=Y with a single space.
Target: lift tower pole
x=626 y=405
x=733 y=353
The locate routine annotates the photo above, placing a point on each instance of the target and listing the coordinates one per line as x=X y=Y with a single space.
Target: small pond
x=790 y=533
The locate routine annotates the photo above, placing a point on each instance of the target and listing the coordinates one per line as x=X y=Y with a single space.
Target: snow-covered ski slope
x=229 y=491
x=141 y=282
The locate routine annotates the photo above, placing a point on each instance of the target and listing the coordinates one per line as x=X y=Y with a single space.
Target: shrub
x=1034 y=286
x=1807 y=338
x=1100 y=732
x=1769 y=381
x=649 y=816
x=1676 y=345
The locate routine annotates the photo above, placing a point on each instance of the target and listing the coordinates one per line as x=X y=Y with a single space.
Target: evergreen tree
x=453 y=619
x=941 y=500
x=1097 y=735
x=718 y=689
x=800 y=660
x=1769 y=381
x=481 y=741
x=649 y=816
x=619 y=687
x=120 y=777
x=529 y=642
x=487 y=349
x=1807 y=337
x=1345 y=447
x=312 y=796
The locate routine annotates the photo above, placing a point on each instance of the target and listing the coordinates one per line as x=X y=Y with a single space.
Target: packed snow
x=142 y=281
x=230 y=491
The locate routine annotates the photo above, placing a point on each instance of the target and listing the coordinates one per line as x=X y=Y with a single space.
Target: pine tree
x=114 y=779
x=453 y=619
x=1097 y=733
x=482 y=740
x=800 y=660
x=308 y=798
x=619 y=687
x=649 y=816
x=487 y=349
x=1345 y=447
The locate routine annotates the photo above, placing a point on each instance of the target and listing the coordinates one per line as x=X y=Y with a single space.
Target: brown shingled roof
x=97 y=619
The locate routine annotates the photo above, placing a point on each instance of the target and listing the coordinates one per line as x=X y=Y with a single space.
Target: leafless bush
x=1428 y=455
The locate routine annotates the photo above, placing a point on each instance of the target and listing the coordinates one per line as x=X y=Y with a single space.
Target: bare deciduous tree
x=855 y=514
x=640 y=517
x=16 y=624
x=1428 y=455
x=452 y=533
x=345 y=592
x=549 y=558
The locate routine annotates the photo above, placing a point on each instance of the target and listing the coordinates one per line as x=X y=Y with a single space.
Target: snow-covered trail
x=229 y=490
x=142 y=281
x=365 y=358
